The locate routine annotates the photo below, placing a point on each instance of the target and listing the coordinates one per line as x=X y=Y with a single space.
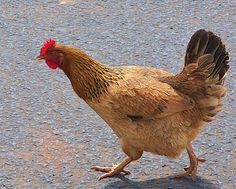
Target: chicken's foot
x=192 y=169
x=114 y=169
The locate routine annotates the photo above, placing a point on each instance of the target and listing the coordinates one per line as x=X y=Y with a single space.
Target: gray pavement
x=49 y=138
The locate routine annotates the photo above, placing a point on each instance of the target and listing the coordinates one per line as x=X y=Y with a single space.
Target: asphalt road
x=50 y=138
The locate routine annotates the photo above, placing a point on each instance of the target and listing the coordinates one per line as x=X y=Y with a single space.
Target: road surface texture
x=50 y=138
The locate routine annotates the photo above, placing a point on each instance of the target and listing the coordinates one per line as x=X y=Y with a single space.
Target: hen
x=147 y=108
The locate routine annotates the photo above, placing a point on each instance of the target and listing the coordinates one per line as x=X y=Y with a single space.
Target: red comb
x=47 y=44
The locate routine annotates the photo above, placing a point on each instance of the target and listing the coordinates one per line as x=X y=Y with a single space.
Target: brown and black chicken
x=147 y=108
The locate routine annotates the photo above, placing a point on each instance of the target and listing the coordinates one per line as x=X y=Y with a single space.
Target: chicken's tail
x=201 y=45
x=206 y=65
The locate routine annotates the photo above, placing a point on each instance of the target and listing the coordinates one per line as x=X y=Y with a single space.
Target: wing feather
x=150 y=101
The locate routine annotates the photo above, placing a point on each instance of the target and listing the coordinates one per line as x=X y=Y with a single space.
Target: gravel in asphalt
x=49 y=138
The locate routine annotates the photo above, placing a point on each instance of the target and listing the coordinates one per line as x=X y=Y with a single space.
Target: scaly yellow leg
x=192 y=169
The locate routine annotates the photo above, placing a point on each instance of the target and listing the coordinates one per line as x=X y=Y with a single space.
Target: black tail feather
x=202 y=43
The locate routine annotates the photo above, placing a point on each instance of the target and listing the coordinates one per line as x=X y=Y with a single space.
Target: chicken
x=147 y=108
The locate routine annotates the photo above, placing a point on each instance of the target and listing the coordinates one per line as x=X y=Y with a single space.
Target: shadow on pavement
x=167 y=183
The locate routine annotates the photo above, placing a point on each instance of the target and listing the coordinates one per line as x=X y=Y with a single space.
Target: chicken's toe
x=102 y=169
x=201 y=159
x=108 y=169
x=111 y=171
x=110 y=174
x=187 y=172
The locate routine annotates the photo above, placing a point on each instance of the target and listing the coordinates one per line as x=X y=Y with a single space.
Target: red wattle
x=51 y=64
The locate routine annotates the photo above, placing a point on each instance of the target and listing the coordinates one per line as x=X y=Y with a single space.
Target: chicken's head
x=50 y=54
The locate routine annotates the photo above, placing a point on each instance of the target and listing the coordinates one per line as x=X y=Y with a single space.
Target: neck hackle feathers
x=91 y=79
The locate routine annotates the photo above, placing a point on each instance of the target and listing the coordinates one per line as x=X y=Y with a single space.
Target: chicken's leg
x=192 y=169
x=113 y=170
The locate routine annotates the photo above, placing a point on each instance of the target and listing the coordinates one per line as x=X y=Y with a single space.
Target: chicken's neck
x=90 y=79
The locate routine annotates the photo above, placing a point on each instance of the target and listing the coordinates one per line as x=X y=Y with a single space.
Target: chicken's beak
x=39 y=57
